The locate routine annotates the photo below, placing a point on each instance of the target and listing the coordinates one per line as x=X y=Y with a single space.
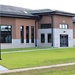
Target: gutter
x=35 y=34
x=19 y=16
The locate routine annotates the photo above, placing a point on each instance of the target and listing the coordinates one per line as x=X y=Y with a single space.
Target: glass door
x=63 y=40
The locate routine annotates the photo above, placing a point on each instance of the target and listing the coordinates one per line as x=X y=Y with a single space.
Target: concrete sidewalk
x=3 y=68
x=35 y=68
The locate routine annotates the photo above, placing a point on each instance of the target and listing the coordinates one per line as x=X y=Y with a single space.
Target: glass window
x=66 y=26
x=6 y=34
x=42 y=38
x=49 y=38
x=22 y=33
x=32 y=34
x=60 y=26
x=63 y=26
x=45 y=26
x=27 y=34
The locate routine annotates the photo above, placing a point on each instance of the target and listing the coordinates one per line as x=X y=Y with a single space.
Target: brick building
x=21 y=27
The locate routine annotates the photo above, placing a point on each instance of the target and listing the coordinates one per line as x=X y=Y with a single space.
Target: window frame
x=27 y=34
x=43 y=39
x=32 y=34
x=45 y=26
x=22 y=33
x=7 y=38
x=49 y=38
x=63 y=26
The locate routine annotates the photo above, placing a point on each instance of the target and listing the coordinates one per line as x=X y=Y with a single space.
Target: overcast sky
x=64 y=5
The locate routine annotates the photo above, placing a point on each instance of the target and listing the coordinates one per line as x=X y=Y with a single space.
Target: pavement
x=5 y=70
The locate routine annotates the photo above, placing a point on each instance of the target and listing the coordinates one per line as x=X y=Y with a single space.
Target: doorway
x=63 y=40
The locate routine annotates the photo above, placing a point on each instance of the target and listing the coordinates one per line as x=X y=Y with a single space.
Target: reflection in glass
x=6 y=34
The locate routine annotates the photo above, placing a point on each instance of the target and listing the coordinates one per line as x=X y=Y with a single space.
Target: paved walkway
x=36 y=49
x=28 y=50
x=35 y=68
x=3 y=68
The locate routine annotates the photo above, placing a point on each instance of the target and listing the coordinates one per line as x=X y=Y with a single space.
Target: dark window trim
x=32 y=34
x=62 y=24
x=22 y=33
x=5 y=33
x=27 y=34
x=46 y=26
x=43 y=39
x=49 y=37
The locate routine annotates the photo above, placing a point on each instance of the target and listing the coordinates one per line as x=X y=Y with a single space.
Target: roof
x=49 y=11
x=58 y=12
x=40 y=11
x=12 y=11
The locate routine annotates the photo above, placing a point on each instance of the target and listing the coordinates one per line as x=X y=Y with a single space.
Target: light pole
x=0 y=43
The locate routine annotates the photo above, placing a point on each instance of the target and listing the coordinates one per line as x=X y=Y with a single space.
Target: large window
x=42 y=38
x=45 y=26
x=22 y=33
x=63 y=26
x=27 y=34
x=49 y=38
x=32 y=34
x=5 y=34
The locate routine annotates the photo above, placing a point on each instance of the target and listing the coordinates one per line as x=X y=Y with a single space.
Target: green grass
x=69 y=70
x=37 y=58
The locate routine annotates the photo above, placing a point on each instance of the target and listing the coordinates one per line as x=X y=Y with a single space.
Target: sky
x=63 y=5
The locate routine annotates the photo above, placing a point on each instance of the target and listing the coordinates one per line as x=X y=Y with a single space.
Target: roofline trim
x=19 y=16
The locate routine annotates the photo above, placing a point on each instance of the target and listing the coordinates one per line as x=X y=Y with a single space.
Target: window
x=27 y=34
x=32 y=34
x=6 y=34
x=45 y=26
x=49 y=38
x=42 y=38
x=66 y=26
x=22 y=33
x=63 y=26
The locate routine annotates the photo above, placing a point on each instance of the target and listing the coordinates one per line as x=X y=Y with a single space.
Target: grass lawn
x=70 y=70
x=37 y=58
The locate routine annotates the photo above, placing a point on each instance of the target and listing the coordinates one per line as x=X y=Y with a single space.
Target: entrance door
x=63 y=40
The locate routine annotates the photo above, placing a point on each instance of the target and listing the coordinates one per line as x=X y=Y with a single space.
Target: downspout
x=0 y=43
x=52 y=30
x=35 y=34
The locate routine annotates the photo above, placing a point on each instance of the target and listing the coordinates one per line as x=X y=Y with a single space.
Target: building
x=20 y=27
